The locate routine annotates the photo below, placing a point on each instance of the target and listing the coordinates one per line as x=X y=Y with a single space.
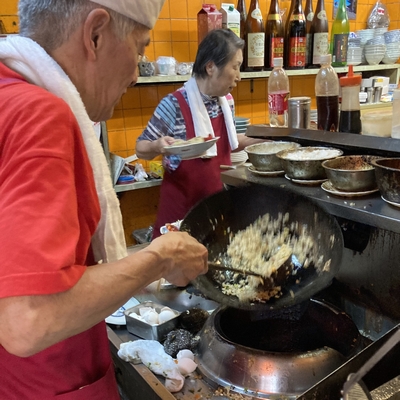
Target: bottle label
x=273 y=17
x=256 y=14
x=297 y=17
x=277 y=48
x=310 y=16
x=297 y=55
x=340 y=42
x=255 y=49
x=321 y=46
x=380 y=11
x=322 y=15
x=234 y=27
x=278 y=103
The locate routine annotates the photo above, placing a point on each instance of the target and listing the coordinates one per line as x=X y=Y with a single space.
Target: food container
x=377 y=123
x=351 y=173
x=263 y=155
x=145 y=330
x=305 y=163
x=387 y=173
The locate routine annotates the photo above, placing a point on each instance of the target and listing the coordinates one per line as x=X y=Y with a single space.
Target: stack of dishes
x=364 y=35
x=241 y=124
x=392 y=41
x=375 y=50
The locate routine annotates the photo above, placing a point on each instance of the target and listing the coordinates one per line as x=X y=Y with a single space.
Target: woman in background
x=203 y=106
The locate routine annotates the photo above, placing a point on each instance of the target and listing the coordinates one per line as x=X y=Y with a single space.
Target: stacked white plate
x=238 y=158
x=314 y=116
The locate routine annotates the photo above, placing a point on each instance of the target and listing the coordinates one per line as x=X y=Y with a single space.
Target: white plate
x=328 y=187
x=390 y=202
x=265 y=173
x=190 y=150
x=118 y=317
x=307 y=182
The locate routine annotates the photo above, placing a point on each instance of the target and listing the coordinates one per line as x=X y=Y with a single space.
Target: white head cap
x=143 y=11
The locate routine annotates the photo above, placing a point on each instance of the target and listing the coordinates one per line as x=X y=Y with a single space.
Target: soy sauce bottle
x=319 y=33
x=350 y=115
x=255 y=39
x=274 y=35
x=309 y=14
x=295 y=39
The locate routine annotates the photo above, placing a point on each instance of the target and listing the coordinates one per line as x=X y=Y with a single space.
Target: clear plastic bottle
x=278 y=95
x=327 y=95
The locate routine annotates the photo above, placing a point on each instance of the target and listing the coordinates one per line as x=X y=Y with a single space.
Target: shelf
x=137 y=185
x=265 y=74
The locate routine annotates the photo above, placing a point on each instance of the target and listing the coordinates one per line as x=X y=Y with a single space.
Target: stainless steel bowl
x=351 y=173
x=263 y=155
x=387 y=173
x=305 y=163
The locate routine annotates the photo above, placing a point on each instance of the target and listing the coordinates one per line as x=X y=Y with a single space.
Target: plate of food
x=191 y=148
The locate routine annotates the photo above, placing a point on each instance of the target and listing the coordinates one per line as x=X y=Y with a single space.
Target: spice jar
x=299 y=112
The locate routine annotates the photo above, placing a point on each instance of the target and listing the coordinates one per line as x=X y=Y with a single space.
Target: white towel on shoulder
x=30 y=60
x=201 y=120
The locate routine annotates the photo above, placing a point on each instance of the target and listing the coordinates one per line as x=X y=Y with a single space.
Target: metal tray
x=146 y=331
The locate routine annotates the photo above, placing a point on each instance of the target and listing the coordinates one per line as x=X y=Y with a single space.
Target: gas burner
x=281 y=353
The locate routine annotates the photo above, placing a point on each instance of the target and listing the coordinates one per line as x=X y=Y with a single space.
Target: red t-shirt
x=49 y=211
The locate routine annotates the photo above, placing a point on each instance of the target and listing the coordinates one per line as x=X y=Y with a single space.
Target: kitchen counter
x=137 y=381
x=370 y=209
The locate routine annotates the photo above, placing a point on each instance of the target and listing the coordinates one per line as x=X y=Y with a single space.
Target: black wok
x=211 y=220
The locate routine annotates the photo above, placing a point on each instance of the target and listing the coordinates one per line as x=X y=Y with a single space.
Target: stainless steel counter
x=370 y=210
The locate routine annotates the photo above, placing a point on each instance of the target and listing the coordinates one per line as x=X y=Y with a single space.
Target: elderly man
x=63 y=262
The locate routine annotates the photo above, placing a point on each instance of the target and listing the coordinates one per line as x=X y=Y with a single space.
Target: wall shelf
x=390 y=70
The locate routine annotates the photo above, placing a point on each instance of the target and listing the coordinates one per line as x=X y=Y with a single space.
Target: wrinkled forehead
x=144 y=12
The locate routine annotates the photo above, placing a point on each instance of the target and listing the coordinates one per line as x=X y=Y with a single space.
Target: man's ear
x=95 y=28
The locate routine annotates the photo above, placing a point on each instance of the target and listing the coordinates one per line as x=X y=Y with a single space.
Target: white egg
x=151 y=317
x=166 y=315
x=186 y=366
x=165 y=308
x=145 y=310
x=185 y=354
x=134 y=315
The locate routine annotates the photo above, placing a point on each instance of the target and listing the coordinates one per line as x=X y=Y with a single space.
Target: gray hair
x=219 y=46
x=51 y=22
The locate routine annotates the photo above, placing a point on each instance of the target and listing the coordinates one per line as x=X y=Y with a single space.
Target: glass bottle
x=255 y=39
x=319 y=34
x=340 y=36
x=350 y=115
x=309 y=14
x=327 y=96
x=278 y=95
x=295 y=39
x=274 y=35
x=241 y=7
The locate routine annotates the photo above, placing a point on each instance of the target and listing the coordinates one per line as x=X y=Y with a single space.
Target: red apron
x=193 y=180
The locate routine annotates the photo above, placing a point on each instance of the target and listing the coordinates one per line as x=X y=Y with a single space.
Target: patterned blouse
x=167 y=120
